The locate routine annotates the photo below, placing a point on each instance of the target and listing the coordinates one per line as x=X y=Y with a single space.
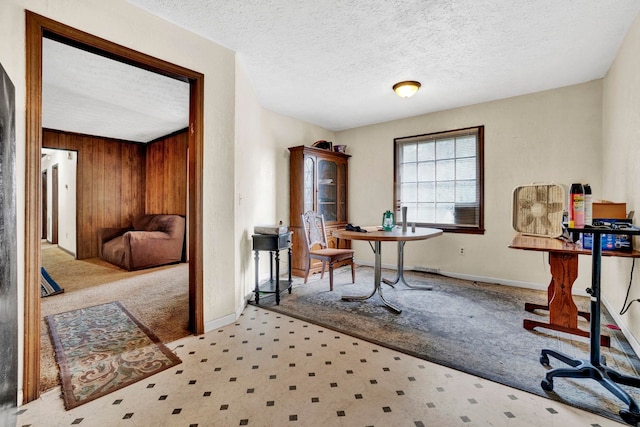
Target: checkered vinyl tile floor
x=268 y=369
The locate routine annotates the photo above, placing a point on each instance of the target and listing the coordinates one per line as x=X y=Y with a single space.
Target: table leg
x=531 y=307
x=377 y=274
x=271 y=266
x=289 y=269
x=257 y=289
x=277 y=277
x=400 y=272
x=563 y=313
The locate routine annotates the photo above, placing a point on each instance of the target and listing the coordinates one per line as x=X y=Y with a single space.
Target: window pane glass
x=409 y=172
x=426 y=212
x=427 y=171
x=409 y=153
x=445 y=191
x=412 y=213
x=444 y=149
x=427 y=191
x=444 y=213
x=426 y=151
x=409 y=193
x=445 y=170
x=466 y=168
x=466 y=146
x=438 y=178
x=465 y=191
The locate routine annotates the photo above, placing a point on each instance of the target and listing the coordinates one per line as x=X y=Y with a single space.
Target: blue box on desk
x=610 y=242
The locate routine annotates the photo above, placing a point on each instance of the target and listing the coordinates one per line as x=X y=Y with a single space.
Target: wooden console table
x=563 y=261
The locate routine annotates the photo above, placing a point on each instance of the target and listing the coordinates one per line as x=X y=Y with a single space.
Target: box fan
x=537 y=209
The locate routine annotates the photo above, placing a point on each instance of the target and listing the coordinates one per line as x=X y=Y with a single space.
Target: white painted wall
x=262 y=173
x=551 y=136
x=621 y=168
x=67 y=166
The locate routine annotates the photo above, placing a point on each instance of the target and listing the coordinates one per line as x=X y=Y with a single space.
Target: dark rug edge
x=551 y=396
x=69 y=399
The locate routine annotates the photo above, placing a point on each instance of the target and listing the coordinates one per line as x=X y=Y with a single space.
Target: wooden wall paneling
x=154 y=178
x=166 y=178
x=98 y=193
x=180 y=170
x=138 y=180
x=74 y=145
x=132 y=168
x=127 y=201
x=110 y=184
x=84 y=185
x=110 y=181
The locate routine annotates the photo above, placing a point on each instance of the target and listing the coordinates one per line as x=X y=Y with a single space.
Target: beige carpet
x=158 y=297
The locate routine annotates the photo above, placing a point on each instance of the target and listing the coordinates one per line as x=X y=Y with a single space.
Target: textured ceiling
x=332 y=63
x=93 y=95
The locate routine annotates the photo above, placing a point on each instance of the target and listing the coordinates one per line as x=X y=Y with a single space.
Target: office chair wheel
x=547 y=385
x=629 y=417
x=544 y=360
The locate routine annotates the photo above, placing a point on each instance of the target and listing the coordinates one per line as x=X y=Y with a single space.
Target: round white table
x=377 y=236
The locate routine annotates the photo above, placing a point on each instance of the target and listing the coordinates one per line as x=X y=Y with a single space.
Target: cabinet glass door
x=309 y=189
x=328 y=190
x=342 y=192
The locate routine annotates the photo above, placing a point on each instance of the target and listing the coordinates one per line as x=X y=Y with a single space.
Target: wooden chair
x=315 y=234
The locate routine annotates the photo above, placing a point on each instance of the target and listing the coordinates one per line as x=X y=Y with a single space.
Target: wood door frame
x=38 y=27
x=54 y=204
x=44 y=205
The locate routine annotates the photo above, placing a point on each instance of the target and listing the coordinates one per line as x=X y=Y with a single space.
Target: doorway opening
x=39 y=27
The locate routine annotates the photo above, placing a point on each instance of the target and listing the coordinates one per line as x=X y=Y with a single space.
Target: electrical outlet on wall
x=461 y=251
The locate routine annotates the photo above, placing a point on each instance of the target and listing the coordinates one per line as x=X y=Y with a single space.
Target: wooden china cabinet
x=318 y=181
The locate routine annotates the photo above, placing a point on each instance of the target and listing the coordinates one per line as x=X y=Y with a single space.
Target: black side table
x=273 y=243
x=595 y=368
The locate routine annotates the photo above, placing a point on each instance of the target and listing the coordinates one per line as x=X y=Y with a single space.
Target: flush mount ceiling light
x=407 y=88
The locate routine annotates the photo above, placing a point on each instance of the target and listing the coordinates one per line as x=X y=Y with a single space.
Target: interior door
x=54 y=204
x=43 y=204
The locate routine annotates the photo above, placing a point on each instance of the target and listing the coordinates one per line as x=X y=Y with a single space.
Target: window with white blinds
x=439 y=178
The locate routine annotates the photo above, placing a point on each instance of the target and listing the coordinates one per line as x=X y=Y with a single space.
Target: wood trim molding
x=38 y=27
x=194 y=213
x=33 y=133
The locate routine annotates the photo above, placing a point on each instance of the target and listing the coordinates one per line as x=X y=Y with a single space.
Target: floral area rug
x=468 y=326
x=103 y=348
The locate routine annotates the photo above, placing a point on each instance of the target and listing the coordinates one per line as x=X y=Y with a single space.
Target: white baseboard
x=497 y=281
x=635 y=345
x=225 y=320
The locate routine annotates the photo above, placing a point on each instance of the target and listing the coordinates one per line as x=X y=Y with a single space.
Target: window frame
x=450 y=228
